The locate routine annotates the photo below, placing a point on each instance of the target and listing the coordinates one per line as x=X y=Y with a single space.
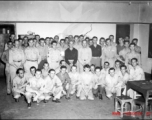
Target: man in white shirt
x=34 y=88
x=105 y=70
x=19 y=83
x=53 y=86
x=45 y=70
x=111 y=83
x=31 y=74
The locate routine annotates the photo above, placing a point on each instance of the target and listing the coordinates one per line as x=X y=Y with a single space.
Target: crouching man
x=75 y=80
x=112 y=83
x=34 y=88
x=86 y=84
x=19 y=83
x=53 y=86
x=66 y=81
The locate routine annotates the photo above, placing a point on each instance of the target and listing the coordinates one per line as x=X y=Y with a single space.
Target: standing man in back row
x=96 y=52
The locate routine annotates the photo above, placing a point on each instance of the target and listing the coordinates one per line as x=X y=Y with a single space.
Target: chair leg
x=121 y=114
x=116 y=105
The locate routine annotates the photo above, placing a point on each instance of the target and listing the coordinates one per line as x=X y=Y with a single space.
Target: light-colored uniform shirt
x=32 y=53
x=87 y=79
x=99 y=80
x=16 y=56
x=136 y=73
x=138 y=49
x=28 y=75
x=62 y=50
x=84 y=55
x=75 y=78
x=5 y=59
x=105 y=71
x=123 y=53
x=45 y=73
x=43 y=52
x=124 y=78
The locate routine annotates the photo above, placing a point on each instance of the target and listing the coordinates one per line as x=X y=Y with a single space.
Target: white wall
x=64 y=29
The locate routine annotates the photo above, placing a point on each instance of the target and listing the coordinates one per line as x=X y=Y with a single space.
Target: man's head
x=76 y=38
x=54 y=44
x=92 y=67
x=106 y=65
x=20 y=41
x=135 y=41
x=20 y=72
x=37 y=37
x=47 y=41
x=95 y=40
x=108 y=42
x=90 y=42
x=33 y=70
x=56 y=38
x=31 y=42
x=42 y=42
x=84 y=43
x=67 y=40
x=71 y=37
x=9 y=44
x=52 y=73
x=86 y=68
x=132 y=46
x=62 y=63
x=62 y=42
x=12 y=37
x=126 y=43
x=63 y=69
x=38 y=74
x=102 y=41
x=74 y=69
x=71 y=43
x=111 y=37
x=112 y=72
x=134 y=62
x=127 y=38
x=16 y=43
x=117 y=64
x=98 y=70
x=25 y=39
x=46 y=66
x=81 y=38
x=121 y=41
x=123 y=69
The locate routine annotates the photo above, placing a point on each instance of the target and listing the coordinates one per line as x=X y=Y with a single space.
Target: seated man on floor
x=45 y=70
x=34 y=88
x=66 y=81
x=86 y=84
x=92 y=68
x=53 y=86
x=62 y=63
x=75 y=80
x=98 y=83
x=112 y=83
x=105 y=69
x=19 y=83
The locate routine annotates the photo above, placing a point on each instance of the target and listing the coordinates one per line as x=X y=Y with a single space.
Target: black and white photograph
x=76 y=59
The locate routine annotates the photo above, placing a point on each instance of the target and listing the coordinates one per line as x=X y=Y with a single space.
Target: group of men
x=41 y=69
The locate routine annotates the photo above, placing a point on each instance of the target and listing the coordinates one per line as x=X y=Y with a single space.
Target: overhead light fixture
x=148 y=3
x=129 y=3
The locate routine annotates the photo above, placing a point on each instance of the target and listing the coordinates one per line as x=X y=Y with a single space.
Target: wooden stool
x=123 y=99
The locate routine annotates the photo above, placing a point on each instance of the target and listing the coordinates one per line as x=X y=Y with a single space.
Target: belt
x=32 y=60
x=17 y=61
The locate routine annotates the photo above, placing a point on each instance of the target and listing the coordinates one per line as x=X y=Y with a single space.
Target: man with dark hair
x=53 y=86
x=34 y=88
x=92 y=68
x=77 y=43
x=90 y=42
x=5 y=59
x=120 y=46
x=16 y=59
x=19 y=84
x=62 y=48
x=106 y=67
x=62 y=63
x=109 y=53
x=137 y=48
x=96 y=52
x=66 y=81
x=25 y=42
x=12 y=38
x=43 y=53
x=53 y=56
x=30 y=74
x=71 y=55
x=36 y=42
x=132 y=54
x=87 y=82
x=45 y=70
x=98 y=83
x=111 y=37
x=32 y=56
x=112 y=83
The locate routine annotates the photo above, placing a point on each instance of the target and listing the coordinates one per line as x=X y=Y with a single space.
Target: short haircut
x=92 y=65
x=53 y=42
x=62 y=40
x=76 y=36
x=132 y=44
x=84 y=40
x=30 y=39
x=18 y=70
x=33 y=67
x=41 y=39
x=9 y=42
x=107 y=63
x=37 y=35
x=95 y=37
x=38 y=70
x=74 y=66
x=86 y=66
x=63 y=67
x=71 y=41
x=51 y=70
x=123 y=66
x=112 y=69
x=47 y=38
x=25 y=37
x=134 y=59
x=102 y=38
x=16 y=40
x=111 y=36
x=108 y=39
x=46 y=63
x=126 y=41
x=117 y=61
x=82 y=36
x=98 y=68
x=20 y=39
x=61 y=61
x=135 y=39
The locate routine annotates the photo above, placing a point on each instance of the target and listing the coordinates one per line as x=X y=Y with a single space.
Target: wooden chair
x=122 y=100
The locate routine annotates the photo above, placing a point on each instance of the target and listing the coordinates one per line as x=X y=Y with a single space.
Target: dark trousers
x=98 y=90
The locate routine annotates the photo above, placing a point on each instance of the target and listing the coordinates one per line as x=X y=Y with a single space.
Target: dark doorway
x=8 y=28
x=122 y=30
x=150 y=42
